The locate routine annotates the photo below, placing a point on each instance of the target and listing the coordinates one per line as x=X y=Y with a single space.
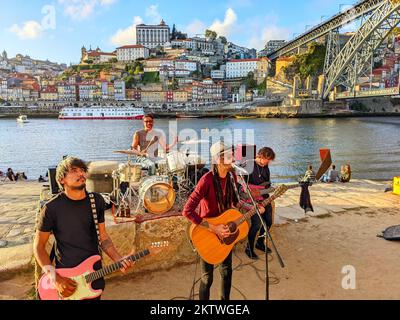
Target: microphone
x=239 y=170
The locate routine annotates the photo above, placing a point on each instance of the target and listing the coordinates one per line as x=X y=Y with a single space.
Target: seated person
x=147 y=142
x=11 y=175
x=309 y=175
x=331 y=176
x=345 y=173
x=21 y=176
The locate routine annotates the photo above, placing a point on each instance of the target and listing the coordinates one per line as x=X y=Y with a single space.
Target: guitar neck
x=272 y=189
x=252 y=212
x=114 y=267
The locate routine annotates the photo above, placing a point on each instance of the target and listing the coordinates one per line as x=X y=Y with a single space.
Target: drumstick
x=149 y=145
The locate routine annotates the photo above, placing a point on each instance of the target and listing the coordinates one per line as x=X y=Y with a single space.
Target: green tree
x=307 y=64
x=223 y=39
x=210 y=34
x=173 y=32
x=250 y=82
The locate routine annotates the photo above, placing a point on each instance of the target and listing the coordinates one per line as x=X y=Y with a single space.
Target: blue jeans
x=147 y=164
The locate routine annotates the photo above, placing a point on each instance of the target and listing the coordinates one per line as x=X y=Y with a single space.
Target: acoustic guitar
x=215 y=250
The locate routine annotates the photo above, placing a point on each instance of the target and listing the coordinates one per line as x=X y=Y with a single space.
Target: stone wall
x=140 y=236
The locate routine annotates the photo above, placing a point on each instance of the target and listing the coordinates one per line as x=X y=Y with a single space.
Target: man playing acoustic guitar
x=216 y=193
x=69 y=216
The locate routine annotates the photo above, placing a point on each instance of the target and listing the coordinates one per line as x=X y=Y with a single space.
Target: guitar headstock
x=157 y=247
x=280 y=191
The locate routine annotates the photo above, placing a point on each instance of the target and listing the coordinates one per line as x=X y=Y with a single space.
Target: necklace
x=260 y=173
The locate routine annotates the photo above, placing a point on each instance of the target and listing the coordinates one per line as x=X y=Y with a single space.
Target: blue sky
x=57 y=29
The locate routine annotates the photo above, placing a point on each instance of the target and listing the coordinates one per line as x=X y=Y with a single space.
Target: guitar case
x=391 y=234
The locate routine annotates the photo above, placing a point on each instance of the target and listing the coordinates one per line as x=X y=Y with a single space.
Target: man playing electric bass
x=216 y=193
x=69 y=216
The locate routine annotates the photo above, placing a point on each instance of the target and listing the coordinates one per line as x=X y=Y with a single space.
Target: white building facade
x=132 y=53
x=240 y=68
x=152 y=36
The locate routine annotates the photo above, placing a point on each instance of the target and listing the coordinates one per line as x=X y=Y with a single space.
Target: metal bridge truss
x=359 y=10
x=352 y=60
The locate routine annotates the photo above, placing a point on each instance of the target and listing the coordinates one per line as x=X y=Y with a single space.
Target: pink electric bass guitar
x=84 y=275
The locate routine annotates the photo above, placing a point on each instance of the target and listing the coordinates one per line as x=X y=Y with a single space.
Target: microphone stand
x=267 y=236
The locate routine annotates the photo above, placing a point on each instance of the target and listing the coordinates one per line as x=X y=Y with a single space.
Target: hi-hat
x=194 y=142
x=128 y=152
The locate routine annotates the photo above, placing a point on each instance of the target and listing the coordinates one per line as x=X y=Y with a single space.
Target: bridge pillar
x=309 y=85
x=321 y=85
x=296 y=85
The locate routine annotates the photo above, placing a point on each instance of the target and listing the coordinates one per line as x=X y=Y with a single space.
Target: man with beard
x=69 y=217
x=147 y=142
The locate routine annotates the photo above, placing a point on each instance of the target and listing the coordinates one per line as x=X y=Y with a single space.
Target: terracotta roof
x=50 y=89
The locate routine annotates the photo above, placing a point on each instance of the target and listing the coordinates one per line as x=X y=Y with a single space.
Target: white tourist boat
x=102 y=113
x=22 y=119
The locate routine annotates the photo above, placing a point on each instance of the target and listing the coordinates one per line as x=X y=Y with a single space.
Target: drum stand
x=183 y=187
x=124 y=200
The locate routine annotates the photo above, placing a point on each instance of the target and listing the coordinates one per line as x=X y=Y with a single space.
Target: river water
x=370 y=145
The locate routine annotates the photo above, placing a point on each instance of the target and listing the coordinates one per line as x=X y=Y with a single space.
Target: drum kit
x=135 y=192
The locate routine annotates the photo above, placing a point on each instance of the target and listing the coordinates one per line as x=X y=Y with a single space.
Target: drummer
x=147 y=142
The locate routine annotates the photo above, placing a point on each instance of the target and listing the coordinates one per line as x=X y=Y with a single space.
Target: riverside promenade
x=315 y=247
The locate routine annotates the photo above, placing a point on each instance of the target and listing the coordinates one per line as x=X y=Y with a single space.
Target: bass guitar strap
x=96 y=221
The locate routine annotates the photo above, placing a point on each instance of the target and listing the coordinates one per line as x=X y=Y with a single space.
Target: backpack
x=391 y=234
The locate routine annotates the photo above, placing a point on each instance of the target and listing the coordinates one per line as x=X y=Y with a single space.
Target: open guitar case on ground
x=391 y=234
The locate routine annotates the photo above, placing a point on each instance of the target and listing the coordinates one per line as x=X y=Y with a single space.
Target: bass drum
x=157 y=194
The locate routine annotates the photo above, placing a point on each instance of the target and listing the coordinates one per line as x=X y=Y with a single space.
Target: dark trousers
x=207 y=277
x=256 y=225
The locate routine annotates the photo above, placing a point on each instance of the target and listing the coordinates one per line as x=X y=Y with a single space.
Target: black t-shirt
x=258 y=175
x=73 y=227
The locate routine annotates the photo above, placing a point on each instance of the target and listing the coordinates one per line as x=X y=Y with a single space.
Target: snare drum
x=157 y=194
x=136 y=172
x=162 y=167
x=176 y=162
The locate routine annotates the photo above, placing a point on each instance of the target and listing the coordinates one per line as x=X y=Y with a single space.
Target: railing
x=368 y=93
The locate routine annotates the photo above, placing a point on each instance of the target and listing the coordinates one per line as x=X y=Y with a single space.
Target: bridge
x=345 y=64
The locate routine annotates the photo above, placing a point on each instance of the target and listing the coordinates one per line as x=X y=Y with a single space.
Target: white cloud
x=128 y=35
x=82 y=9
x=30 y=30
x=153 y=14
x=272 y=32
x=195 y=27
x=226 y=27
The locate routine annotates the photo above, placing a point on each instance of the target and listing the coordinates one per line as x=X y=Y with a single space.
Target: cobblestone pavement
x=18 y=207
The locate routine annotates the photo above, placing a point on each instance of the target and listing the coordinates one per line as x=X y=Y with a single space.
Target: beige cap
x=219 y=148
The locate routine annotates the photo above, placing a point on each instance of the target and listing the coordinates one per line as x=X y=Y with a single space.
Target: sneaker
x=251 y=254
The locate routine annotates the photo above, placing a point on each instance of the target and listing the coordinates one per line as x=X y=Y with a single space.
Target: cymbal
x=189 y=142
x=128 y=152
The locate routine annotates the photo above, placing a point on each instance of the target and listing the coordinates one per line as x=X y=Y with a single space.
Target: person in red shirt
x=216 y=193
